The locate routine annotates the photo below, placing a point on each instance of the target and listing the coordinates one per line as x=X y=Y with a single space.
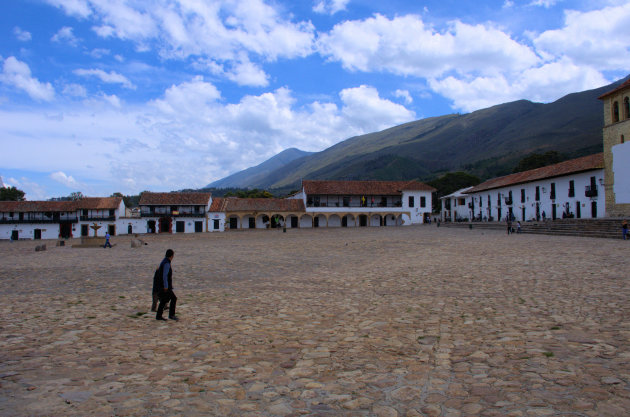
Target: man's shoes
x=161 y=318
x=173 y=318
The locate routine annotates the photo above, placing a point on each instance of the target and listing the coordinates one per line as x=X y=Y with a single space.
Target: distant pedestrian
x=544 y=215
x=165 y=290
x=107 y=240
x=624 y=229
x=509 y=225
x=518 y=227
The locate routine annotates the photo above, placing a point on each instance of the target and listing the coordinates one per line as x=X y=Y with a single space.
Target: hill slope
x=253 y=175
x=485 y=143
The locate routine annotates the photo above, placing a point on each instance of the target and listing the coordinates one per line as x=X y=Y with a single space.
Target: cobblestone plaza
x=373 y=321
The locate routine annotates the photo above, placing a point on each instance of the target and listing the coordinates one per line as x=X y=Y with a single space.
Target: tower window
x=626 y=108
x=615 y=112
x=623 y=139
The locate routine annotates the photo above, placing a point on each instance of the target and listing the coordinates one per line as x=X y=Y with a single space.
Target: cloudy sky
x=101 y=96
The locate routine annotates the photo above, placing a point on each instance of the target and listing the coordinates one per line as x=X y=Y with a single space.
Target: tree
x=255 y=193
x=11 y=194
x=449 y=183
x=537 y=160
x=77 y=195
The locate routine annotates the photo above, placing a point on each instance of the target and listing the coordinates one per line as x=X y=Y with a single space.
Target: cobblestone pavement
x=407 y=321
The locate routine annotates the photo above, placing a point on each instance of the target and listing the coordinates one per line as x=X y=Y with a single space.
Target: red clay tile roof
x=276 y=205
x=363 y=187
x=611 y=92
x=36 y=206
x=99 y=203
x=573 y=166
x=89 y=203
x=168 y=199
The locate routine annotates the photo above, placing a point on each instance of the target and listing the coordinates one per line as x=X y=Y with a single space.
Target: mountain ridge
x=486 y=143
x=241 y=179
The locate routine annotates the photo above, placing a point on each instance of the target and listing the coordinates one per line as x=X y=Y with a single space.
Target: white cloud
x=406 y=46
x=237 y=35
x=32 y=190
x=543 y=84
x=598 y=39
x=107 y=77
x=507 y=4
x=481 y=65
x=188 y=97
x=330 y=6
x=75 y=90
x=18 y=74
x=99 y=53
x=188 y=137
x=544 y=3
x=112 y=99
x=78 y=8
x=64 y=179
x=65 y=34
x=21 y=35
x=247 y=73
x=364 y=107
x=404 y=94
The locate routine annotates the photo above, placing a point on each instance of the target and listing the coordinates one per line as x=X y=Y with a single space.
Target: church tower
x=617 y=150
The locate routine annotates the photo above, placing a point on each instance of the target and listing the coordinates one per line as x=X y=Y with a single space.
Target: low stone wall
x=90 y=242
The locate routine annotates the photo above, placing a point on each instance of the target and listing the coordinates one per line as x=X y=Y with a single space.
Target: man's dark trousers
x=165 y=296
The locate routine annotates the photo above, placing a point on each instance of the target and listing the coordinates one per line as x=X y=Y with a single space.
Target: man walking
x=107 y=240
x=165 y=290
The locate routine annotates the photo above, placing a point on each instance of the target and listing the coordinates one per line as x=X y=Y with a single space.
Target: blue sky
x=104 y=96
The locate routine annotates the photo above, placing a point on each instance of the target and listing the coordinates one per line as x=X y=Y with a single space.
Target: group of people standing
x=510 y=227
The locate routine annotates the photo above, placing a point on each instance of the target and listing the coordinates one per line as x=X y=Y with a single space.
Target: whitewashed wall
x=581 y=180
x=27 y=231
x=417 y=212
x=138 y=226
x=216 y=216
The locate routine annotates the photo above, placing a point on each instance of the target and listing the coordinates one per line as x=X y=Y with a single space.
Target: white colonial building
x=366 y=203
x=60 y=219
x=318 y=204
x=328 y=204
x=172 y=213
x=231 y=213
x=569 y=189
x=455 y=206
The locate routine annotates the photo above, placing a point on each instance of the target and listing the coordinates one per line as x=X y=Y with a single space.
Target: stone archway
x=305 y=221
x=334 y=220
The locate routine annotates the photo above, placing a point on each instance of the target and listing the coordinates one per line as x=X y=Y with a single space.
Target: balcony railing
x=37 y=221
x=591 y=191
x=97 y=218
x=353 y=205
x=170 y=214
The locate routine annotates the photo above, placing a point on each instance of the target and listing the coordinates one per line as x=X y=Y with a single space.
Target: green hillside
x=484 y=143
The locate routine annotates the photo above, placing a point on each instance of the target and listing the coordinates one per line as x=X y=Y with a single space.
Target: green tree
x=537 y=160
x=449 y=183
x=77 y=195
x=255 y=193
x=11 y=194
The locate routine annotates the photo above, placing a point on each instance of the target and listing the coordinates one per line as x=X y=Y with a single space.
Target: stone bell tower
x=617 y=150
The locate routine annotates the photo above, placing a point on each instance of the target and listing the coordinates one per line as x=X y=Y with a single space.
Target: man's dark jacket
x=158 y=278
